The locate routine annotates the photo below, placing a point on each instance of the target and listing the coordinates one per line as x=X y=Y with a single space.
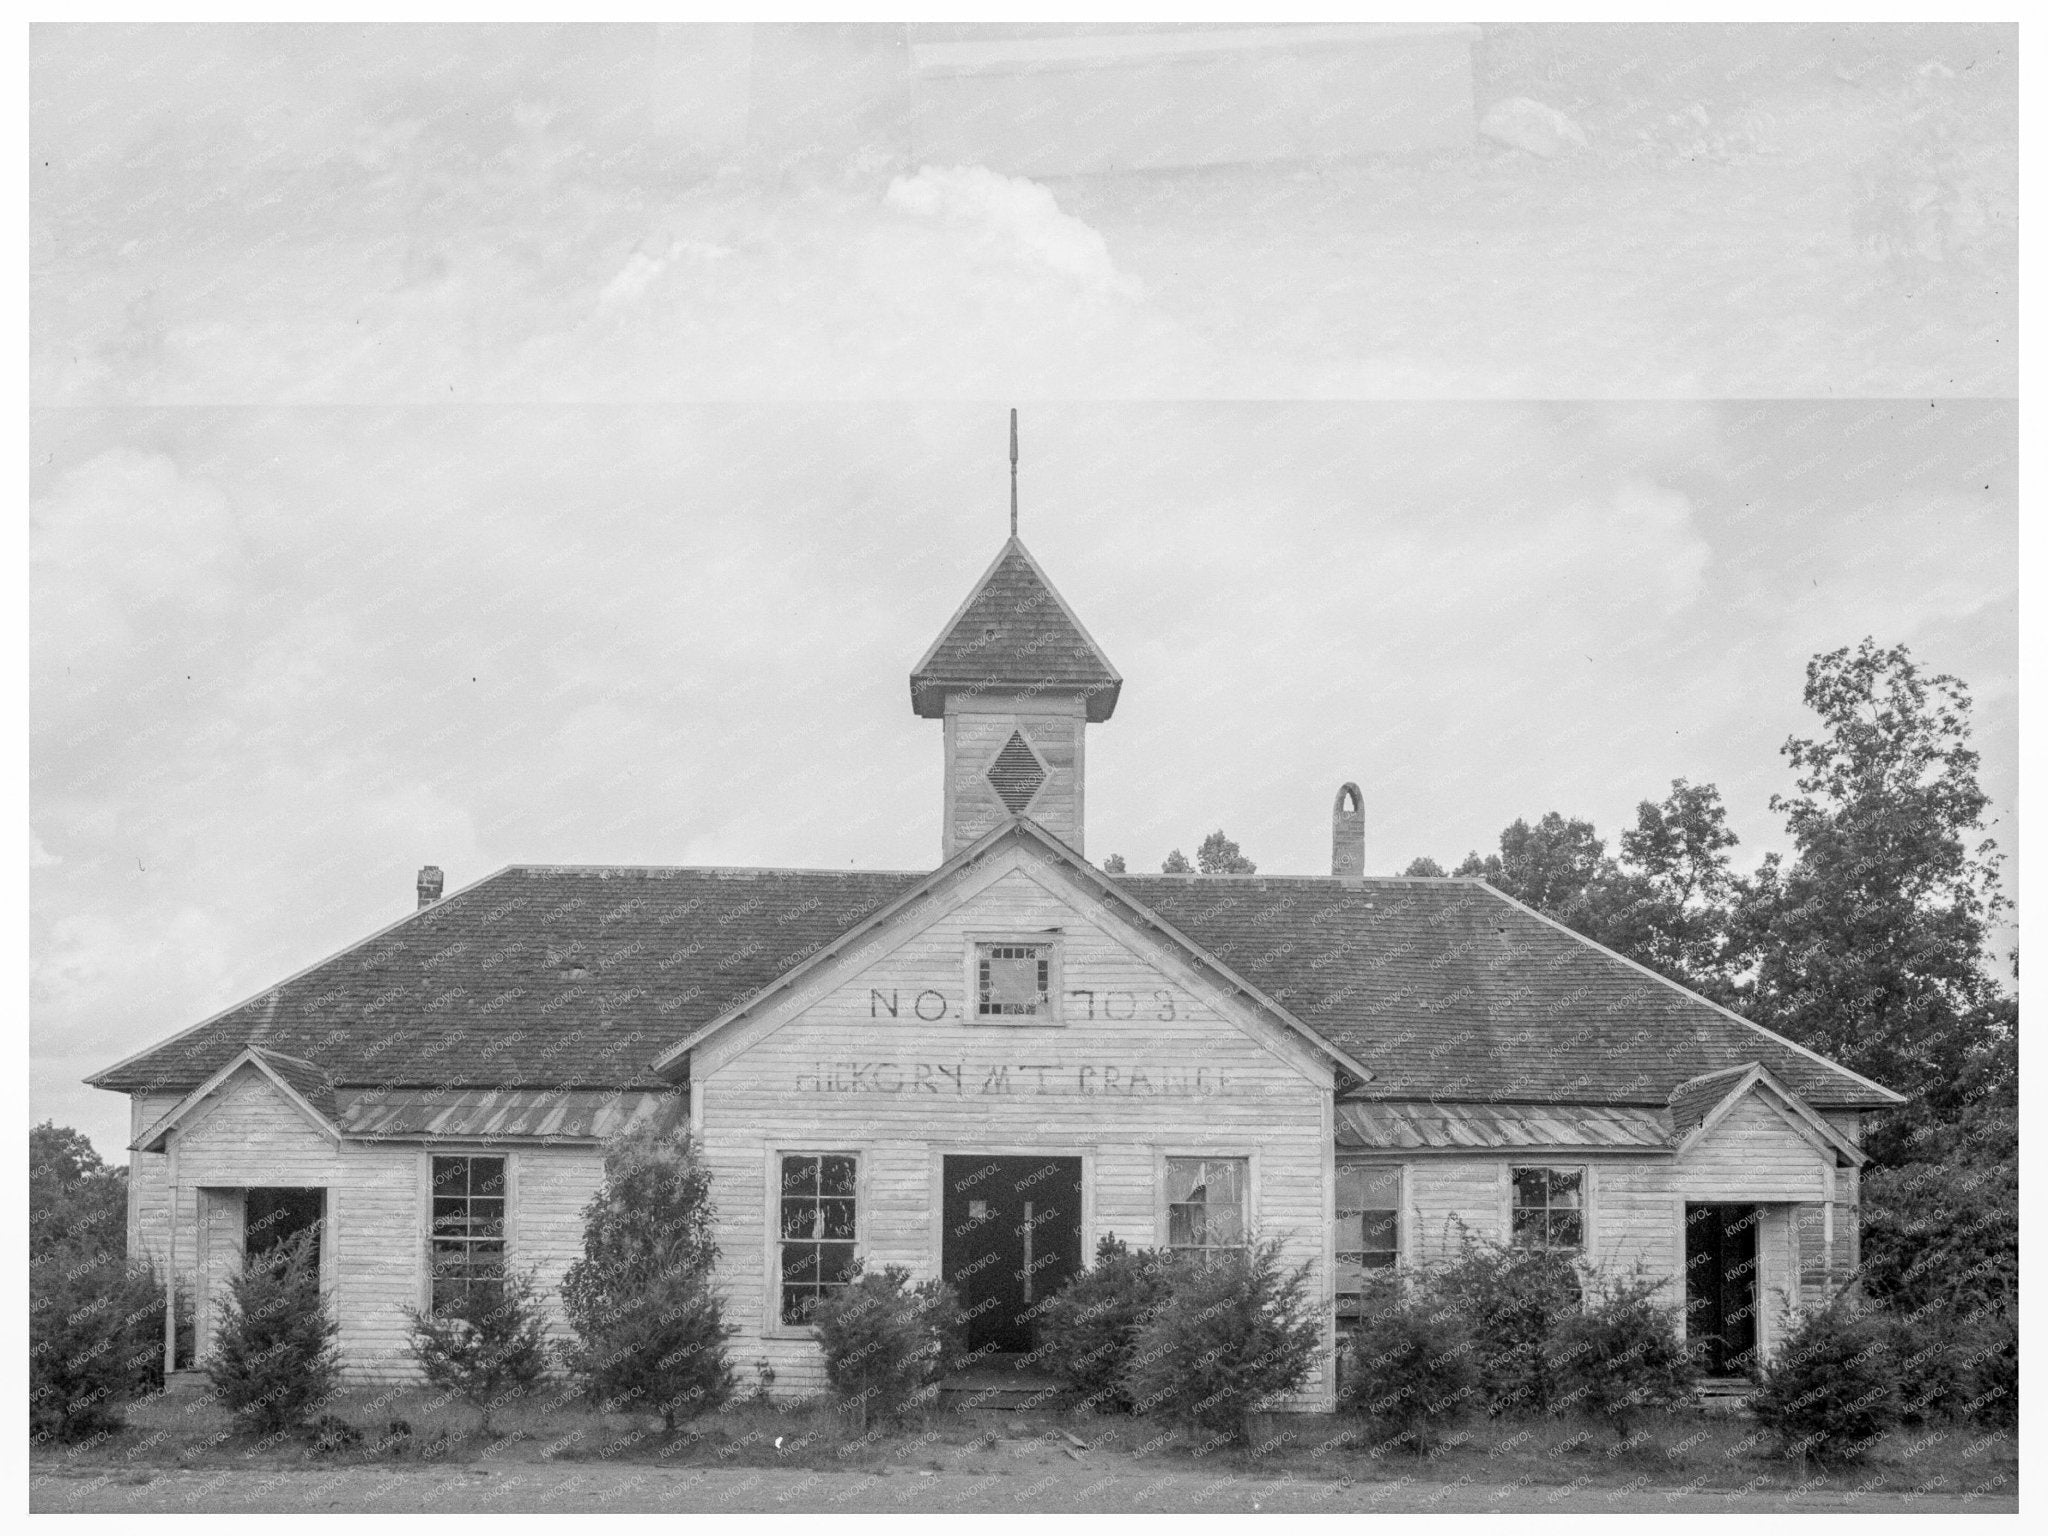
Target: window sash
x=1547 y=1208
x=1368 y=1234
x=818 y=1229
x=466 y=1227
x=1207 y=1203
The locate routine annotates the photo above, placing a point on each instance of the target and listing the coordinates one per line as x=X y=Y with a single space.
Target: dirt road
x=584 y=1487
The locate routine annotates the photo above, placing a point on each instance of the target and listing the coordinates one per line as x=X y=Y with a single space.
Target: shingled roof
x=533 y=977
x=579 y=977
x=1449 y=990
x=1014 y=632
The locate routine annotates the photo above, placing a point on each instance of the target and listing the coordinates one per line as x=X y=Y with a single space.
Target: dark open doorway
x=1720 y=1286
x=1012 y=1239
x=273 y=1215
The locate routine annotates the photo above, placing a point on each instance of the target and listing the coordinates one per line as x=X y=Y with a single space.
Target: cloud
x=1010 y=220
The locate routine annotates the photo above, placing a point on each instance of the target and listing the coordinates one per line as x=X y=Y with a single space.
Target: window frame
x=508 y=1238
x=1347 y=1305
x=1055 y=1014
x=1162 y=1169
x=774 y=1327
x=1584 y=1248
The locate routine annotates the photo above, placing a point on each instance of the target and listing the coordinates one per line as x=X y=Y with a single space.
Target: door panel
x=1720 y=1285
x=1012 y=1238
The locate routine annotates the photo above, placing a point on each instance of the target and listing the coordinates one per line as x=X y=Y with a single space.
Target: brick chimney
x=1347 y=834
x=430 y=885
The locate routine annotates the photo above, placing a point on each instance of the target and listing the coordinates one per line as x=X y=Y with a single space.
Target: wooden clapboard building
x=980 y=1069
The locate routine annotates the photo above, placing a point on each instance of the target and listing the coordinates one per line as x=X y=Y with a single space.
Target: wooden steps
x=1008 y=1383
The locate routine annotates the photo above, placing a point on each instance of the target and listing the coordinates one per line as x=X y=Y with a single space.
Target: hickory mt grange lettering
x=963 y=1078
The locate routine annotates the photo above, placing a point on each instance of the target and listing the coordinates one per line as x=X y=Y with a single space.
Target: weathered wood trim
x=423 y=1230
x=197 y=1099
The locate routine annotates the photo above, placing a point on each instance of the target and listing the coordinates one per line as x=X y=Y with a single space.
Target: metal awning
x=527 y=1114
x=1406 y=1126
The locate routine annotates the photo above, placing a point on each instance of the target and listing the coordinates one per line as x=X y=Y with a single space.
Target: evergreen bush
x=887 y=1343
x=274 y=1360
x=1235 y=1329
x=1087 y=1332
x=1621 y=1354
x=1829 y=1392
x=487 y=1345
x=1411 y=1366
x=648 y=1318
x=96 y=1340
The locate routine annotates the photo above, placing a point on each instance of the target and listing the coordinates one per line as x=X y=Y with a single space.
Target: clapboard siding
x=1448 y=1197
x=977 y=730
x=148 y=1179
x=552 y=1186
x=842 y=1073
x=1752 y=1155
x=1629 y=1207
x=1632 y=1209
x=374 y=1246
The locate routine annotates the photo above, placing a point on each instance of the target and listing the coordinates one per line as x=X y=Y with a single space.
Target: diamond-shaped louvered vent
x=1016 y=774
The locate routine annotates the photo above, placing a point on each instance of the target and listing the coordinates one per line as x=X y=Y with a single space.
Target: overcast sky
x=435 y=461
x=284 y=658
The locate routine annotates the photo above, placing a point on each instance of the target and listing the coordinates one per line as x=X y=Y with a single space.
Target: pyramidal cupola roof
x=1015 y=633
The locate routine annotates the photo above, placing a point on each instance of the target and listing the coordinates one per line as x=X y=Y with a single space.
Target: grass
x=1693 y=1449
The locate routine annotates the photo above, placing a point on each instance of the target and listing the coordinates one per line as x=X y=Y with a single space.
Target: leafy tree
x=1113 y=865
x=1667 y=903
x=487 y=1345
x=1663 y=902
x=74 y=1198
x=648 y=1318
x=1424 y=866
x=275 y=1361
x=1218 y=855
x=1176 y=864
x=1869 y=945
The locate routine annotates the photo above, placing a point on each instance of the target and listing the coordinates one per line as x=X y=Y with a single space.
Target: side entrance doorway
x=1012 y=1238
x=1720 y=1286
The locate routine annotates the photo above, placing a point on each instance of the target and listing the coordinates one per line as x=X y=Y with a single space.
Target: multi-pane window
x=1549 y=1208
x=1012 y=980
x=466 y=1244
x=818 y=1225
x=1368 y=1226
x=1206 y=1203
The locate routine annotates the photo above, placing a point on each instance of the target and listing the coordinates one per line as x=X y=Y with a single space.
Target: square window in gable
x=1014 y=982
